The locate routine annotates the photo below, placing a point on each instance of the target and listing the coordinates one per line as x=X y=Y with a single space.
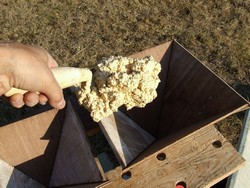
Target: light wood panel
x=126 y=138
x=200 y=159
x=30 y=145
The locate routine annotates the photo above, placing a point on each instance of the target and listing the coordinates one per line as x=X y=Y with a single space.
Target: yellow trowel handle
x=65 y=76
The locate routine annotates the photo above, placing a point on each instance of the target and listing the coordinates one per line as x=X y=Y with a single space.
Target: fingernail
x=30 y=104
x=17 y=103
x=42 y=103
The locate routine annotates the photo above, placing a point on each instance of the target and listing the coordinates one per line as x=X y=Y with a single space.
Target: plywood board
x=193 y=94
x=74 y=162
x=30 y=145
x=200 y=159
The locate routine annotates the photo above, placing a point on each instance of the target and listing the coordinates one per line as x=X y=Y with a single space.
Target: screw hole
x=126 y=175
x=181 y=184
x=161 y=156
x=217 y=144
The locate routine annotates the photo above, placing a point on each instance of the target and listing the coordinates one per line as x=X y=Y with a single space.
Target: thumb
x=53 y=92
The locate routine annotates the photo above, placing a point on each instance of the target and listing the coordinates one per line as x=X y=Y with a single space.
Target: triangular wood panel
x=126 y=138
x=189 y=93
x=194 y=94
x=30 y=145
x=10 y=177
x=74 y=163
x=149 y=116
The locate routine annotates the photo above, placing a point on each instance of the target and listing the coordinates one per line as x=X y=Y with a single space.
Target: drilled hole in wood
x=161 y=156
x=217 y=144
x=126 y=175
x=181 y=184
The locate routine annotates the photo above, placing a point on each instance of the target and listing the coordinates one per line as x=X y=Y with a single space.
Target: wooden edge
x=99 y=166
x=235 y=170
x=90 y=185
x=170 y=139
x=157 y=54
x=200 y=159
x=39 y=110
x=241 y=178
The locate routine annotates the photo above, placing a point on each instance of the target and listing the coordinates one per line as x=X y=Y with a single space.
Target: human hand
x=28 y=67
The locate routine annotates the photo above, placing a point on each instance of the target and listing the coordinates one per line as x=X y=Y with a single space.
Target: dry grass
x=77 y=33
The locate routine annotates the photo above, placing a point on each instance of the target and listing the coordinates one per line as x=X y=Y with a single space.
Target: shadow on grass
x=243 y=90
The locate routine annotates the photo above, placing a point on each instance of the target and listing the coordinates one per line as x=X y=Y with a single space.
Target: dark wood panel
x=193 y=93
x=74 y=162
x=149 y=116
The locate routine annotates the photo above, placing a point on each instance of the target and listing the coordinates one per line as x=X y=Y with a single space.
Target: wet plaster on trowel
x=117 y=81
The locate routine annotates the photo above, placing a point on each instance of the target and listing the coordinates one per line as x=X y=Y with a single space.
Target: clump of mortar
x=117 y=81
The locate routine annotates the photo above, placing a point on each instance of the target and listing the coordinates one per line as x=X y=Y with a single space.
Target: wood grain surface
x=30 y=145
x=200 y=159
x=126 y=138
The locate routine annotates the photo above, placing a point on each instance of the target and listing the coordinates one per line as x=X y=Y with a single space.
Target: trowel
x=126 y=138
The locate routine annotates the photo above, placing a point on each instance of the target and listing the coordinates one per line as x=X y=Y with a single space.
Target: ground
x=78 y=33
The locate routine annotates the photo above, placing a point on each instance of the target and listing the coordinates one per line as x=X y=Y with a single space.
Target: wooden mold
x=53 y=149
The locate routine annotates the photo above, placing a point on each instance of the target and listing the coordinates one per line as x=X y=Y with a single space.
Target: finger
x=16 y=100
x=31 y=98
x=53 y=92
x=42 y=99
x=56 y=100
